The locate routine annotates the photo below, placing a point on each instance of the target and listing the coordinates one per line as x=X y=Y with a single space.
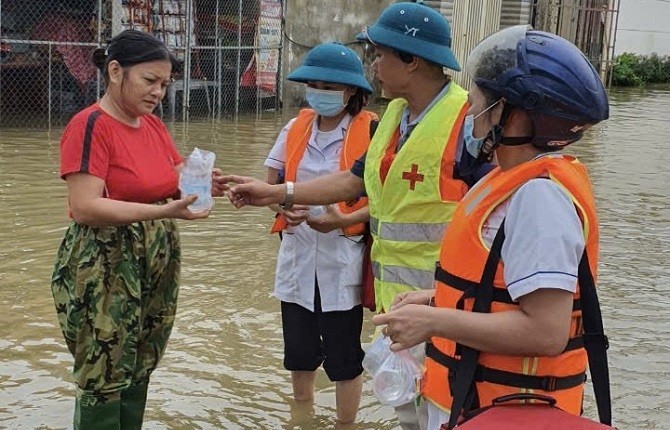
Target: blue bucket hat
x=332 y=62
x=416 y=29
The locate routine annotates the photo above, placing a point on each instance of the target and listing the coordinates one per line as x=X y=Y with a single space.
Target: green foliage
x=633 y=70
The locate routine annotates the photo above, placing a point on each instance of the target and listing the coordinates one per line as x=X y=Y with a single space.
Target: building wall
x=472 y=22
x=514 y=12
x=310 y=22
x=643 y=27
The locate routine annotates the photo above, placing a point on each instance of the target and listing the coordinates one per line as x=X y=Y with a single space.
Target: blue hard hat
x=416 y=29
x=332 y=62
x=546 y=76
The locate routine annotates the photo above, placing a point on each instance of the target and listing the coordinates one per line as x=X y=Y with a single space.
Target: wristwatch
x=288 y=200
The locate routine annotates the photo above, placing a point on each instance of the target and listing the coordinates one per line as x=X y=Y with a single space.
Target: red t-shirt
x=137 y=164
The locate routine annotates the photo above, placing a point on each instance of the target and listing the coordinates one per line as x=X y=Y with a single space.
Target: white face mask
x=473 y=144
x=326 y=103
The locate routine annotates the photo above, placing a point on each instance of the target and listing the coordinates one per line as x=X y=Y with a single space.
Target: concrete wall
x=310 y=22
x=643 y=27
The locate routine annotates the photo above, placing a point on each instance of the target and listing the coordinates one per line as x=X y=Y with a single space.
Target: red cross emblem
x=413 y=176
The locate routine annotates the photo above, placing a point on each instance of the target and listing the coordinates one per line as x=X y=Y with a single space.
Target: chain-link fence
x=230 y=49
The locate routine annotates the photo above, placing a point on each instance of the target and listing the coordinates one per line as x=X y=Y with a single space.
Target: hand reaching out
x=328 y=221
x=251 y=191
x=219 y=185
x=296 y=215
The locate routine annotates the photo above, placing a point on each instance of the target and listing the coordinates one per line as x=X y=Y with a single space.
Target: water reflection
x=223 y=368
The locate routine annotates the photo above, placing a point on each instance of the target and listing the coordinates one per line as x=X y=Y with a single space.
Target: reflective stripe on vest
x=462 y=258
x=408 y=232
x=356 y=141
x=411 y=278
x=411 y=208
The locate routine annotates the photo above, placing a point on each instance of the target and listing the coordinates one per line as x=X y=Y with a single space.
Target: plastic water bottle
x=395 y=383
x=389 y=388
x=196 y=178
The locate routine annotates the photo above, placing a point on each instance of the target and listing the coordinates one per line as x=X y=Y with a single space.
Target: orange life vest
x=356 y=141
x=462 y=259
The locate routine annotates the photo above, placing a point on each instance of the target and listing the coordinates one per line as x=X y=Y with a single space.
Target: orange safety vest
x=356 y=142
x=462 y=259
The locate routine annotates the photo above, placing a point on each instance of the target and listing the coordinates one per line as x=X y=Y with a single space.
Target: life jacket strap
x=510 y=379
x=469 y=288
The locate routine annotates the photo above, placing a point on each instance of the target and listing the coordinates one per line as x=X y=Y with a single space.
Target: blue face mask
x=472 y=144
x=325 y=102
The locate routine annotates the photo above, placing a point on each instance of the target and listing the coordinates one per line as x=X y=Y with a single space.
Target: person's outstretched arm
x=333 y=188
x=89 y=207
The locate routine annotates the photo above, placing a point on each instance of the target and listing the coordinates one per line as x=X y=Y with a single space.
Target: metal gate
x=230 y=51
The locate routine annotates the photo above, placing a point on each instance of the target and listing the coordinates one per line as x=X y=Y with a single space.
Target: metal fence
x=230 y=49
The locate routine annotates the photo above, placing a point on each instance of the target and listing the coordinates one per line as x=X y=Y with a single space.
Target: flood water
x=223 y=367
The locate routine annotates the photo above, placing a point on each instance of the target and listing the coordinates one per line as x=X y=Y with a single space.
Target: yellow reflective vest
x=411 y=207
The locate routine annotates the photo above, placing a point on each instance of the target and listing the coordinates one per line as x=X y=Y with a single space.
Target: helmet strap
x=495 y=135
x=516 y=141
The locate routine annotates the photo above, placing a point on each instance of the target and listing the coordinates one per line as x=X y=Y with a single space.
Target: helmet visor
x=496 y=54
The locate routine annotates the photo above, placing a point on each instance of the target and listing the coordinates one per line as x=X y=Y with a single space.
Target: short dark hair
x=131 y=47
x=405 y=57
x=493 y=64
x=357 y=102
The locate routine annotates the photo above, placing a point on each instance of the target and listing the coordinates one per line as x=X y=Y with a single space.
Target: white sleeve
x=543 y=239
x=277 y=156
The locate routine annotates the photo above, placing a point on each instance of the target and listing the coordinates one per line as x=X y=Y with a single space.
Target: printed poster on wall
x=269 y=41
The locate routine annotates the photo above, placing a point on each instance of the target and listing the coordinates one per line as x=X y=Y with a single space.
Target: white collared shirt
x=544 y=241
x=334 y=259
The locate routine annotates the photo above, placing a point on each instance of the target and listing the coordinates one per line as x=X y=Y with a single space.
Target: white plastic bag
x=376 y=354
x=196 y=178
x=396 y=381
x=395 y=375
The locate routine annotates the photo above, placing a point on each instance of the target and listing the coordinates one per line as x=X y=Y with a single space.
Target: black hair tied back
x=131 y=47
x=99 y=58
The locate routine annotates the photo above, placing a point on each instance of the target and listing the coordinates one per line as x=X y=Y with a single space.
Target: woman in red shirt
x=115 y=281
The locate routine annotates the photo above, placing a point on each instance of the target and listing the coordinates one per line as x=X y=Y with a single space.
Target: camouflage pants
x=115 y=290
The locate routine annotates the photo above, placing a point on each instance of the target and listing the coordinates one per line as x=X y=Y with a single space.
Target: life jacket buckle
x=549 y=383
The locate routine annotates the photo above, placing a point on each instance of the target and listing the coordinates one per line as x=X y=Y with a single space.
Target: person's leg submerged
x=97 y=292
x=161 y=251
x=348 y=398
x=303 y=385
x=302 y=349
x=341 y=332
